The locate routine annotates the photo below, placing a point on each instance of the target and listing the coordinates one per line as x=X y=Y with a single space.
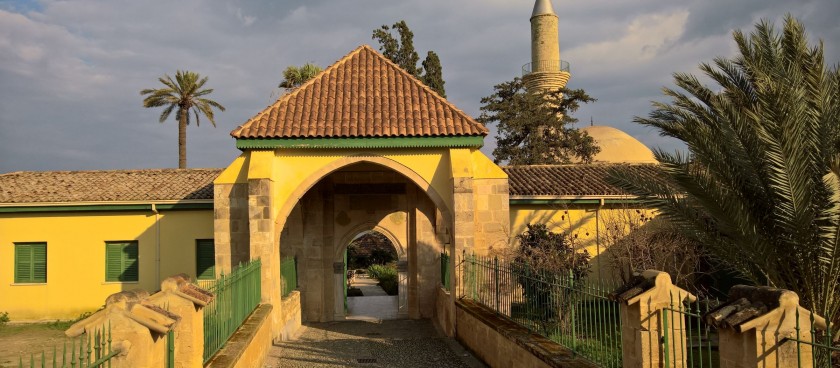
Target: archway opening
x=372 y=278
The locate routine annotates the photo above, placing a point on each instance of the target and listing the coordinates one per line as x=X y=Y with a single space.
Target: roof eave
x=475 y=141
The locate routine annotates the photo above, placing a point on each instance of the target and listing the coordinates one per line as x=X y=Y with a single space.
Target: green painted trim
x=571 y=201
x=108 y=208
x=370 y=142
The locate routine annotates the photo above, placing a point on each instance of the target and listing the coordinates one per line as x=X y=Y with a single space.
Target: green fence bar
x=235 y=296
x=572 y=311
x=92 y=349
x=288 y=272
x=444 y=271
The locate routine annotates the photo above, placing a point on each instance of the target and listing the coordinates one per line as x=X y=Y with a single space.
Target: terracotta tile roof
x=362 y=95
x=101 y=186
x=567 y=180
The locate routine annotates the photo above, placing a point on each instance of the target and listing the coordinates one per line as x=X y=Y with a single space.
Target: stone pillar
x=136 y=329
x=230 y=225
x=402 y=278
x=753 y=326
x=179 y=296
x=492 y=214
x=338 y=284
x=642 y=308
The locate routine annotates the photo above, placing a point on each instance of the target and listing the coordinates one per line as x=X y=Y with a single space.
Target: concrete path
x=368 y=286
x=400 y=343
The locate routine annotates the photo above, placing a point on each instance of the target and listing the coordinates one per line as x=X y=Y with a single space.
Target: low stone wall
x=249 y=345
x=290 y=315
x=500 y=342
x=443 y=314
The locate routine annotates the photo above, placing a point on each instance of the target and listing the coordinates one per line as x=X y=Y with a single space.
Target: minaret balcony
x=542 y=66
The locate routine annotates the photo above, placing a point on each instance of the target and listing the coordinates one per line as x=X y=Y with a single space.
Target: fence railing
x=687 y=340
x=236 y=296
x=545 y=66
x=571 y=311
x=89 y=350
x=444 y=271
x=288 y=272
x=823 y=351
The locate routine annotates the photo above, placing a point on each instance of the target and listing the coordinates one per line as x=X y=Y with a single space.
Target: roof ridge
x=301 y=87
x=109 y=170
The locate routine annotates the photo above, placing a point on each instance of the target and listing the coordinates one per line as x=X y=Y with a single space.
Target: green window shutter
x=205 y=259
x=121 y=262
x=31 y=263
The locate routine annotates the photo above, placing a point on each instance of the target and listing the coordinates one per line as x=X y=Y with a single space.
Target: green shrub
x=387 y=276
x=4 y=318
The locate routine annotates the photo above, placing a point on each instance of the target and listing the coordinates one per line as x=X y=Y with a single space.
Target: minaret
x=545 y=71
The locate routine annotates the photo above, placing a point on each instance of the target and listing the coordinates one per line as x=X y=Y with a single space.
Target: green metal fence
x=444 y=271
x=235 y=296
x=822 y=350
x=688 y=341
x=288 y=272
x=571 y=311
x=89 y=350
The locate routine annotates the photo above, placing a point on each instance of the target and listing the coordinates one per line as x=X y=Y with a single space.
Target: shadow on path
x=400 y=343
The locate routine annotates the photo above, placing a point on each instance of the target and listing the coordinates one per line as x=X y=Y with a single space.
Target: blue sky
x=71 y=70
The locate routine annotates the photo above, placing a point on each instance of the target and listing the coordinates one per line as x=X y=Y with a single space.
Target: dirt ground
x=21 y=340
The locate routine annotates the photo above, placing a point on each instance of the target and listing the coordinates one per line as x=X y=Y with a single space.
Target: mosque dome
x=618 y=146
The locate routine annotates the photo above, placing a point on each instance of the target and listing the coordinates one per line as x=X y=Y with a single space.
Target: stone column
x=230 y=225
x=338 y=284
x=753 y=326
x=402 y=278
x=642 y=308
x=179 y=296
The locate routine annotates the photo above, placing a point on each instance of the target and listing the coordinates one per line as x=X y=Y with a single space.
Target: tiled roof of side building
x=362 y=95
x=569 y=180
x=107 y=186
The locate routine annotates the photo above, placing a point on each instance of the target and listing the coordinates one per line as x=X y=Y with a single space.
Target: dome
x=618 y=146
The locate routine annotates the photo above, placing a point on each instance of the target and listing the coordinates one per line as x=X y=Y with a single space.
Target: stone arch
x=310 y=181
x=402 y=252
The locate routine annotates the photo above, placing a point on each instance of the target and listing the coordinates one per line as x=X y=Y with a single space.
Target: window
x=121 y=262
x=30 y=263
x=205 y=259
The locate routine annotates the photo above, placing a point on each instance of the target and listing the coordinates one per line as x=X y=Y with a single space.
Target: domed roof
x=618 y=147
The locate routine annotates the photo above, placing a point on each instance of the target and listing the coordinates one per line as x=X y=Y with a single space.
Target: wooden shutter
x=205 y=259
x=121 y=262
x=31 y=263
x=39 y=262
x=113 y=261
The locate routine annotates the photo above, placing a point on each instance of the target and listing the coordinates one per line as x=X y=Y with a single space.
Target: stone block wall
x=231 y=228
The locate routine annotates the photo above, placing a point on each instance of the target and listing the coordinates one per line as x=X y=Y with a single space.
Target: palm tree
x=185 y=93
x=294 y=76
x=759 y=186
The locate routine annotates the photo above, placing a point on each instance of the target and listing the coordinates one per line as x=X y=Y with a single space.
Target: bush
x=4 y=318
x=387 y=276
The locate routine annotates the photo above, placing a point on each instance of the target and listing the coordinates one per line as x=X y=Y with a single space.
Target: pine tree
x=433 y=73
x=402 y=53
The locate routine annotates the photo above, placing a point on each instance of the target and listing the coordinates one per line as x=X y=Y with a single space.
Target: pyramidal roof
x=362 y=95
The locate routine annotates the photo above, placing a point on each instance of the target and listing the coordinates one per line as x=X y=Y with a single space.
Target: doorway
x=372 y=278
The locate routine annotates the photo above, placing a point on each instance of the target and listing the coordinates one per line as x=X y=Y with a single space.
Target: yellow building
x=363 y=146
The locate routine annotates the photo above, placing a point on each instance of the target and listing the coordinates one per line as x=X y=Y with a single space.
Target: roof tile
x=362 y=95
x=568 y=180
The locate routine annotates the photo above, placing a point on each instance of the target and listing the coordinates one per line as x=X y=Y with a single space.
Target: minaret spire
x=545 y=71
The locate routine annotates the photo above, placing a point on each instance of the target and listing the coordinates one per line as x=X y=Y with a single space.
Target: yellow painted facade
x=76 y=256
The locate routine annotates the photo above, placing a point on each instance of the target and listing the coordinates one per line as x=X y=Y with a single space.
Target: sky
x=71 y=70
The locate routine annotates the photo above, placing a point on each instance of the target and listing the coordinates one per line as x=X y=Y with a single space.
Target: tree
x=295 y=76
x=186 y=94
x=759 y=186
x=533 y=127
x=402 y=53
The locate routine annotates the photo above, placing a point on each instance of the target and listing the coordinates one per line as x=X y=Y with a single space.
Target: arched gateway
x=362 y=146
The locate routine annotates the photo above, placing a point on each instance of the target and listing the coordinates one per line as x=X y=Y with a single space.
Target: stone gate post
x=177 y=295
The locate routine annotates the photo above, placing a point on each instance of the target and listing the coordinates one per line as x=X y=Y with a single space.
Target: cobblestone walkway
x=399 y=343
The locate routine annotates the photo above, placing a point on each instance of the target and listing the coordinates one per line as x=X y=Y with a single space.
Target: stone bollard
x=646 y=323
x=179 y=296
x=136 y=329
x=754 y=324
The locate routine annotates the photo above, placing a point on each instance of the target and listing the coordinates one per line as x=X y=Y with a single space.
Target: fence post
x=136 y=328
x=764 y=327
x=186 y=300
x=646 y=303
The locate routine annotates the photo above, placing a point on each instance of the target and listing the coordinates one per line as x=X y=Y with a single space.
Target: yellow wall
x=76 y=256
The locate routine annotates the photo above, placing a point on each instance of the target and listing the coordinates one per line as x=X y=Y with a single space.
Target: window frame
x=123 y=264
x=30 y=276
x=198 y=273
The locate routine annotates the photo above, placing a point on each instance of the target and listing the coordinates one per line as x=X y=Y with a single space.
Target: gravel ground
x=399 y=343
